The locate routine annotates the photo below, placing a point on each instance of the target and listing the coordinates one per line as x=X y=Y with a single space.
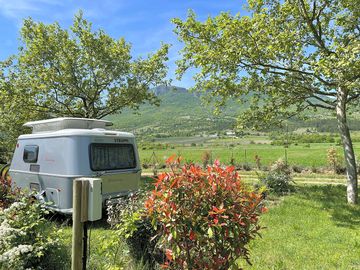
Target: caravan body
x=60 y=150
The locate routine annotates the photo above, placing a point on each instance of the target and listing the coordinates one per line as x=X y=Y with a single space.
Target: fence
x=306 y=156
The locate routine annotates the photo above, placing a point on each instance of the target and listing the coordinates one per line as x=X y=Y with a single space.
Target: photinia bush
x=7 y=193
x=206 y=217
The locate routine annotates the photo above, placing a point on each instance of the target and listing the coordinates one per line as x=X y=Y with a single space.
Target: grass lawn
x=313 y=228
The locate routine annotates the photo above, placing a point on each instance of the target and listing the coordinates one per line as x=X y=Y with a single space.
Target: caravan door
x=117 y=164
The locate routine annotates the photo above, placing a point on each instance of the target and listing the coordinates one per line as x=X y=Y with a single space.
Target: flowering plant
x=25 y=238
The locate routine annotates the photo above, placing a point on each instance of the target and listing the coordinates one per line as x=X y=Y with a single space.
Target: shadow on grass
x=66 y=220
x=332 y=198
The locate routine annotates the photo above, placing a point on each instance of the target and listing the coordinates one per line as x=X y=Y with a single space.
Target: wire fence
x=252 y=157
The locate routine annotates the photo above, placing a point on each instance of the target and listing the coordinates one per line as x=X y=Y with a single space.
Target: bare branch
x=316 y=32
x=352 y=98
x=316 y=105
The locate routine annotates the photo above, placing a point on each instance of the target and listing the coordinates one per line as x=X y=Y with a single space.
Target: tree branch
x=352 y=97
x=318 y=105
x=316 y=32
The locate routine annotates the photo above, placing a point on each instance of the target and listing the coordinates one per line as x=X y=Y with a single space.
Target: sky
x=145 y=24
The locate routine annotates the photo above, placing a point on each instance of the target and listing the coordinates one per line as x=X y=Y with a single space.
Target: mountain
x=182 y=113
x=163 y=89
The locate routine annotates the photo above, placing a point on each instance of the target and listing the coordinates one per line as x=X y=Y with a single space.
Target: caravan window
x=31 y=153
x=112 y=156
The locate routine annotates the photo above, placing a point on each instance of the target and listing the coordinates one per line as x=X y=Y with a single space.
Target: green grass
x=101 y=254
x=313 y=228
x=313 y=156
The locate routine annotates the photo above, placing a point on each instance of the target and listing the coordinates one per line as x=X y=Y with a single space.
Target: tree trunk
x=349 y=155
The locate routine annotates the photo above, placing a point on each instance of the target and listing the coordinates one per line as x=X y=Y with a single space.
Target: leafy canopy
x=14 y=111
x=81 y=72
x=290 y=55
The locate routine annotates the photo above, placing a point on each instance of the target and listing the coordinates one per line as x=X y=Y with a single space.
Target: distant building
x=230 y=133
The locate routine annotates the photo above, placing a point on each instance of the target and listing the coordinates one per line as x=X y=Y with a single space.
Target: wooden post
x=84 y=200
x=245 y=156
x=77 y=243
x=84 y=218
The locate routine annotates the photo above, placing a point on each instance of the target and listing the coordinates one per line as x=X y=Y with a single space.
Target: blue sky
x=145 y=24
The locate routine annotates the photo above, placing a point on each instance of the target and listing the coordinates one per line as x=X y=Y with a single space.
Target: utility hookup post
x=286 y=144
x=87 y=206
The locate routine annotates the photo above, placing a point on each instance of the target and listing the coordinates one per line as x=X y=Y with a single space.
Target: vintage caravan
x=62 y=149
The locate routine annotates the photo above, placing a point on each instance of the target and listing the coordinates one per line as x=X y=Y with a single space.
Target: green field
x=241 y=150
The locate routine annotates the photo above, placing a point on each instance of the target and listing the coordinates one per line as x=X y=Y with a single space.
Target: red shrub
x=206 y=216
x=7 y=194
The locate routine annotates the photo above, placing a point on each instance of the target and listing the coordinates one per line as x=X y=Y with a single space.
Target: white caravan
x=62 y=149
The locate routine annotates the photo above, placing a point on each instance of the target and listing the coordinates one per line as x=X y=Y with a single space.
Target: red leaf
x=171 y=159
x=192 y=235
x=169 y=254
x=230 y=169
x=161 y=177
x=165 y=265
x=218 y=210
x=174 y=183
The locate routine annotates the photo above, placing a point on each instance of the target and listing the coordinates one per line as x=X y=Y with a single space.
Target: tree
x=290 y=55
x=13 y=112
x=77 y=72
x=81 y=72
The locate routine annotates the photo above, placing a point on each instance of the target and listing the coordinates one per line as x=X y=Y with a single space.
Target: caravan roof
x=51 y=125
x=78 y=132
x=67 y=126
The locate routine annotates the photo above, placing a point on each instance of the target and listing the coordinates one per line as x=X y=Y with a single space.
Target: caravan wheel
x=4 y=171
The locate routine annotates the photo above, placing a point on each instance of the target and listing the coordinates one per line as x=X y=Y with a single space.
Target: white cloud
x=18 y=9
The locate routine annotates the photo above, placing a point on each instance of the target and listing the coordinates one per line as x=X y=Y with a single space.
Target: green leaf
x=210 y=232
